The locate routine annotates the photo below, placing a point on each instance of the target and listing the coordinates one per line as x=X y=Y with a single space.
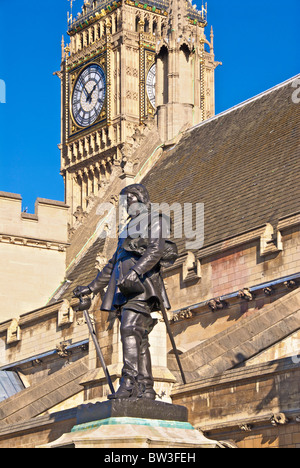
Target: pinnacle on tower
x=177 y=15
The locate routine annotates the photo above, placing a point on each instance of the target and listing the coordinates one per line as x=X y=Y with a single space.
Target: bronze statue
x=135 y=288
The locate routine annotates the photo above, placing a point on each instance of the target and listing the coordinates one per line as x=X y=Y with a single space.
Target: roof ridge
x=245 y=103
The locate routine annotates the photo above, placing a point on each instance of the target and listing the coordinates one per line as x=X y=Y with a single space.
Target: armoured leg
x=145 y=377
x=132 y=331
x=137 y=380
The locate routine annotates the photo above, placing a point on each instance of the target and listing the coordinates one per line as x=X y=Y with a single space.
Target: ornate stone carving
x=79 y=214
x=246 y=294
x=246 y=427
x=291 y=284
x=268 y=291
x=279 y=419
x=101 y=261
x=183 y=314
x=61 y=349
x=217 y=304
x=128 y=165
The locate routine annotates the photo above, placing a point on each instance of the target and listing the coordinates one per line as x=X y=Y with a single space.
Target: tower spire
x=177 y=15
x=211 y=40
x=62 y=48
x=185 y=70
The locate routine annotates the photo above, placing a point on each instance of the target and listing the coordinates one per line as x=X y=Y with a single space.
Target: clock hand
x=91 y=93
x=89 y=97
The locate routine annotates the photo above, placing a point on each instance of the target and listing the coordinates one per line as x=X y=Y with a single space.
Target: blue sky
x=258 y=43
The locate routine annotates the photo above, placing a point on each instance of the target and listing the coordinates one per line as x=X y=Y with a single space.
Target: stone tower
x=185 y=71
x=128 y=64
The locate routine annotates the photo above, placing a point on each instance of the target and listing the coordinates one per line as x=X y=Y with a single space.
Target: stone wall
x=243 y=405
x=32 y=251
x=223 y=272
x=31 y=338
x=37 y=431
x=233 y=265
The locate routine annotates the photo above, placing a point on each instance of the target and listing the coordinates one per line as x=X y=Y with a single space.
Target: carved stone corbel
x=65 y=314
x=191 y=268
x=291 y=284
x=269 y=291
x=13 y=332
x=61 y=349
x=270 y=241
x=79 y=214
x=217 y=304
x=183 y=314
x=246 y=427
x=126 y=149
x=128 y=166
x=279 y=419
x=101 y=261
x=246 y=294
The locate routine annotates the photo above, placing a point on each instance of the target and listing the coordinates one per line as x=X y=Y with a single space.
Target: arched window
x=137 y=21
x=154 y=28
x=185 y=51
x=162 y=67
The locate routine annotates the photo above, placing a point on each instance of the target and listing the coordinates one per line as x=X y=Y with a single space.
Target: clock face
x=150 y=85
x=88 y=95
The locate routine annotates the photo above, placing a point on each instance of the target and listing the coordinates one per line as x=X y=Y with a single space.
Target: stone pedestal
x=132 y=424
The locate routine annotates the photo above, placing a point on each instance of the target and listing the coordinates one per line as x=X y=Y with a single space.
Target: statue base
x=139 y=408
x=132 y=424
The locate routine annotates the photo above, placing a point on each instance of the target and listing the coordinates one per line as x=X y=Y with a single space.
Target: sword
x=84 y=306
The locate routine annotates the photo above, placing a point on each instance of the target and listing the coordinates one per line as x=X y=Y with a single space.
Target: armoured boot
x=128 y=389
x=137 y=380
x=131 y=347
x=147 y=392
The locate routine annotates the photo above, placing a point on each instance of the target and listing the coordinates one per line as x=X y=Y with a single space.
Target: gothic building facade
x=129 y=65
x=137 y=105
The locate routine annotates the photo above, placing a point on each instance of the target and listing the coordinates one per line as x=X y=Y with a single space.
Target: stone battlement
x=32 y=247
x=48 y=223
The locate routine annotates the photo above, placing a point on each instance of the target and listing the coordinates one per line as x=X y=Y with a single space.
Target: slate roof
x=243 y=165
x=10 y=384
x=83 y=273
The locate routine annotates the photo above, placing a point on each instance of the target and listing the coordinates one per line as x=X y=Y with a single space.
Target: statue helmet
x=139 y=191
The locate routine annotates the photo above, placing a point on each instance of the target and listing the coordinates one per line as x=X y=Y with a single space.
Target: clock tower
x=128 y=64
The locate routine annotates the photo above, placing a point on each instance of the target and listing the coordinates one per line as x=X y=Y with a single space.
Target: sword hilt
x=84 y=303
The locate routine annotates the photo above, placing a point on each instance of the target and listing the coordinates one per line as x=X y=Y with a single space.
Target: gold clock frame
x=102 y=119
x=150 y=58
x=149 y=62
